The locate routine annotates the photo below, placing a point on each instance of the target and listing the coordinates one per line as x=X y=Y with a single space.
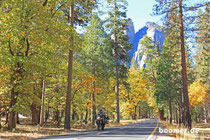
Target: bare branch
x=28 y=46
x=10 y=49
x=45 y=3
x=58 y=9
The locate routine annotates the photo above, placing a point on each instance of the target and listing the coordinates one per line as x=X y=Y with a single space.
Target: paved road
x=137 y=131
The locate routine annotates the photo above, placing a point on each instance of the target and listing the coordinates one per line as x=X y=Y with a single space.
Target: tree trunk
x=35 y=114
x=174 y=115
x=7 y=116
x=93 y=96
x=68 y=94
x=86 y=115
x=47 y=112
x=0 y=120
x=94 y=87
x=12 y=114
x=67 y=125
x=147 y=114
x=73 y=113
x=180 y=120
x=196 y=117
x=59 y=118
x=16 y=77
x=56 y=115
x=184 y=72
x=161 y=114
x=81 y=116
x=11 y=120
x=177 y=117
x=169 y=111
x=206 y=111
x=0 y=116
x=183 y=112
x=35 y=111
x=135 y=112
x=17 y=118
x=117 y=106
x=93 y=108
x=117 y=95
x=42 y=105
x=139 y=112
x=46 y=116
x=13 y=99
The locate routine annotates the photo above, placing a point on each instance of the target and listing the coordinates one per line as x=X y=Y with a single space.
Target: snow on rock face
x=152 y=30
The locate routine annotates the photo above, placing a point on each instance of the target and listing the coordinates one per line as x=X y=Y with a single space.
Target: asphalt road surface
x=137 y=131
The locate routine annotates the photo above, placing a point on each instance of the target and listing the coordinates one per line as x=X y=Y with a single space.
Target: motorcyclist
x=102 y=115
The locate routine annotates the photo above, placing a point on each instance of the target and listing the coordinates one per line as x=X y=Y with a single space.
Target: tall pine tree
x=117 y=25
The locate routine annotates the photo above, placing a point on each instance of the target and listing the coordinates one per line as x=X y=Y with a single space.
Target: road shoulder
x=163 y=136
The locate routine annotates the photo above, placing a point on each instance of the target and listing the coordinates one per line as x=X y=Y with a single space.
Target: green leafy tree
x=164 y=7
x=117 y=24
x=92 y=56
x=27 y=27
x=202 y=56
x=151 y=52
x=75 y=16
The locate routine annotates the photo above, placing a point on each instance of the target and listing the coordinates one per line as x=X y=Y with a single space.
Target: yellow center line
x=153 y=132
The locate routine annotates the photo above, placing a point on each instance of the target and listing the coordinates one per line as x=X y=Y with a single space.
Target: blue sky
x=140 y=12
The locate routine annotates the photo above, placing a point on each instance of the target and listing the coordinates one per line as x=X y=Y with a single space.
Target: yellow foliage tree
x=197 y=92
x=137 y=92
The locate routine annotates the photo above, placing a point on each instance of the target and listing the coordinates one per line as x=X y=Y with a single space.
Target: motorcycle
x=100 y=123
